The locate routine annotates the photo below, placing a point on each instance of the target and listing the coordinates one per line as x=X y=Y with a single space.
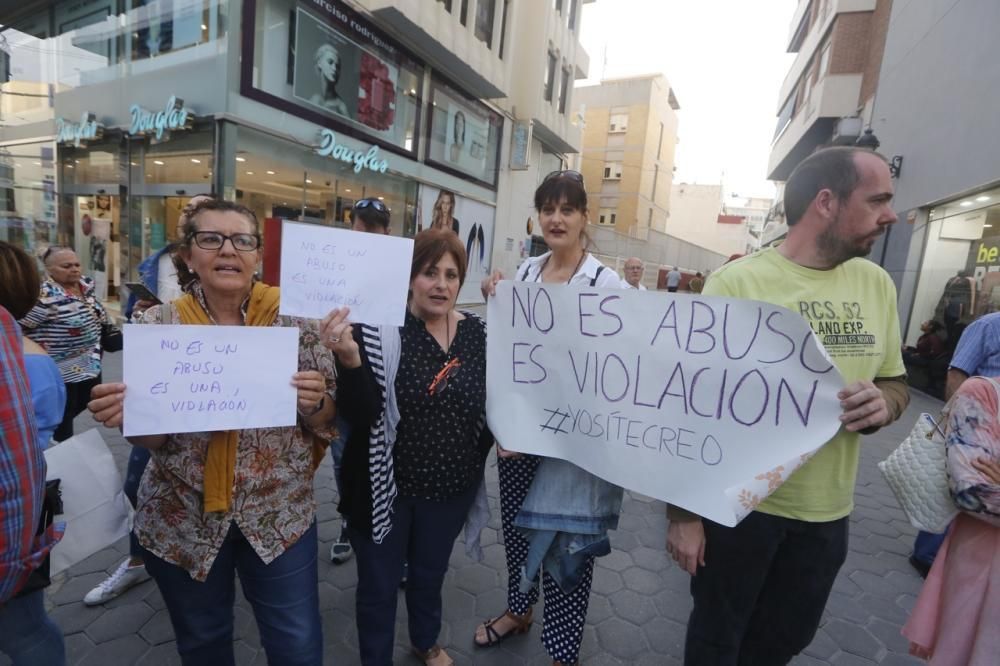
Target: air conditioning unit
x=846 y=131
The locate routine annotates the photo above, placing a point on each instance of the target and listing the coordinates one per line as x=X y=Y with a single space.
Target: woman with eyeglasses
x=561 y=202
x=212 y=504
x=67 y=322
x=415 y=399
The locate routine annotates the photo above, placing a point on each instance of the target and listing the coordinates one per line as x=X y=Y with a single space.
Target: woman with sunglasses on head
x=415 y=399
x=212 y=504
x=526 y=482
x=67 y=322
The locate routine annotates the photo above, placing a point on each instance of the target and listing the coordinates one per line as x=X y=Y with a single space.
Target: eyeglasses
x=440 y=382
x=566 y=173
x=374 y=203
x=213 y=240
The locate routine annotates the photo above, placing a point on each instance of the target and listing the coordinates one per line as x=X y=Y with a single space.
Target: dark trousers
x=77 y=397
x=760 y=596
x=284 y=595
x=927 y=545
x=423 y=534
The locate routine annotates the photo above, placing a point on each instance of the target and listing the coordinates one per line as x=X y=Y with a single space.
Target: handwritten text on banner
x=324 y=268
x=705 y=402
x=206 y=378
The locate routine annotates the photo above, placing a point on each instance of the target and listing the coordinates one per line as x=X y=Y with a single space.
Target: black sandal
x=493 y=637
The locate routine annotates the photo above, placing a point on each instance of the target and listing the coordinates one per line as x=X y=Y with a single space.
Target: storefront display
x=464 y=135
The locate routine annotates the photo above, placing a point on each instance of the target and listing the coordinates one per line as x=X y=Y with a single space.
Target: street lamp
x=869 y=141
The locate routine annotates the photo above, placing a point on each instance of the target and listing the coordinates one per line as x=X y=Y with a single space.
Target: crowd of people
x=403 y=410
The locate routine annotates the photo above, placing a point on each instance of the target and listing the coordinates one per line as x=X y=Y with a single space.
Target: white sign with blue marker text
x=207 y=378
x=705 y=402
x=324 y=268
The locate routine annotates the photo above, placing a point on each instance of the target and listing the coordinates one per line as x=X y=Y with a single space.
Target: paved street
x=638 y=609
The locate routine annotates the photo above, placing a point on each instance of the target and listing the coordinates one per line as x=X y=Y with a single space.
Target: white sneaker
x=341 y=550
x=122 y=579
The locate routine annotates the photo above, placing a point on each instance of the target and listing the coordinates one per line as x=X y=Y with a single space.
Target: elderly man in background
x=633 y=273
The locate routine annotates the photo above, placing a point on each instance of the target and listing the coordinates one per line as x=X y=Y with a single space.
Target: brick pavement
x=638 y=609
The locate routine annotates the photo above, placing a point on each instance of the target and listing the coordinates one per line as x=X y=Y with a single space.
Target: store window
x=27 y=197
x=485 y=9
x=314 y=64
x=960 y=273
x=280 y=179
x=464 y=135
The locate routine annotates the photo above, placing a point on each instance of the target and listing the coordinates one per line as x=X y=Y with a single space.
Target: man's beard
x=835 y=249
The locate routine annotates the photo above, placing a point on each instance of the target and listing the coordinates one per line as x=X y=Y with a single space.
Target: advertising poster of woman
x=472 y=221
x=327 y=68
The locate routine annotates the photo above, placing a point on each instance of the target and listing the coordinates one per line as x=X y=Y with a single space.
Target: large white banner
x=324 y=268
x=707 y=403
x=207 y=378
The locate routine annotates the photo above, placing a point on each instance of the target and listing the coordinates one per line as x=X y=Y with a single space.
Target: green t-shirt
x=852 y=310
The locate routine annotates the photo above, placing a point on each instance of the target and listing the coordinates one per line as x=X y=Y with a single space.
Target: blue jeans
x=337 y=447
x=27 y=635
x=927 y=545
x=423 y=534
x=137 y=461
x=284 y=595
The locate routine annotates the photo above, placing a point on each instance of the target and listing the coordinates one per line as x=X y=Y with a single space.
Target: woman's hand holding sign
x=335 y=330
x=489 y=284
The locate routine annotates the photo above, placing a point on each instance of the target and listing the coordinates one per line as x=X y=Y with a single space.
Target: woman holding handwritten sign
x=415 y=400
x=526 y=498
x=215 y=503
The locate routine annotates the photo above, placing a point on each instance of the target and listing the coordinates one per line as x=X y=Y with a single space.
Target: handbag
x=917 y=474
x=52 y=506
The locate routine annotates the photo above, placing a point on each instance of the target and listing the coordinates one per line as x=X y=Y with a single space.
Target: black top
x=435 y=456
x=359 y=401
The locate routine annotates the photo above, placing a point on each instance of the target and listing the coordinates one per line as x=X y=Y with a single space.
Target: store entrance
x=95 y=215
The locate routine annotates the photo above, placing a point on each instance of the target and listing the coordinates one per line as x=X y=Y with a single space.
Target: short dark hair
x=558 y=187
x=371 y=217
x=20 y=282
x=831 y=169
x=185 y=277
x=431 y=244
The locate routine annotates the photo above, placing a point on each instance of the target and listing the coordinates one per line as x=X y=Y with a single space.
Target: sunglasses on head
x=374 y=203
x=566 y=173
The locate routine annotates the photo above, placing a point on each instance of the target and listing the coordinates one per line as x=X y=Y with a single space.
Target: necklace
x=571 y=275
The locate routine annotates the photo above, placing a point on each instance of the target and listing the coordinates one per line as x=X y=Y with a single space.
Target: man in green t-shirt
x=760 y=588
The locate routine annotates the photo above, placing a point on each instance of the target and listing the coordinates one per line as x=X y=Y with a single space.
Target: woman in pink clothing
x=956 y=619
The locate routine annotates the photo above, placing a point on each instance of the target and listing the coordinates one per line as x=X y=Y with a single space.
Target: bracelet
x=316 y=410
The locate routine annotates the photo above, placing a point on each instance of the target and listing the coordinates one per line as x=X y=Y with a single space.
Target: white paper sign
x=206 y=378
x=708 y=403
x=96 y=510
x=324 y=268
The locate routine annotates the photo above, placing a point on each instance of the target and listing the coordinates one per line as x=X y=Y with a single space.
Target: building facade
x=698 y=214
x=627 y=159
x=934 y=116
x=826 y=97
x=115 y=112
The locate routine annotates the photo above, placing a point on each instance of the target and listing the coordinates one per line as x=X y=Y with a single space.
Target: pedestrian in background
x=633 y=273
x=697 y=283
x=67 y=321
x=673 y=279
x=539 y=525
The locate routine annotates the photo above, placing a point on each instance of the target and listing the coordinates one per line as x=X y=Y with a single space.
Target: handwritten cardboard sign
x=324 y=268
x=708 y=403
x=207 y=378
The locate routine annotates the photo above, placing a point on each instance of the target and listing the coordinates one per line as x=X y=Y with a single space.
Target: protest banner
x=207 y=378
x=324 y=268
x=708 y=403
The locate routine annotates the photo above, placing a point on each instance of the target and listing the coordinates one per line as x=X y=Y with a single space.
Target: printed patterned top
x=438 y=454
x=272 y=502
x=974 y=433
x=69 y=328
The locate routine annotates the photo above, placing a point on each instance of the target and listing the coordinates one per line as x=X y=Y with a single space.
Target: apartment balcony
x=833 y=97
x=439 y=37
